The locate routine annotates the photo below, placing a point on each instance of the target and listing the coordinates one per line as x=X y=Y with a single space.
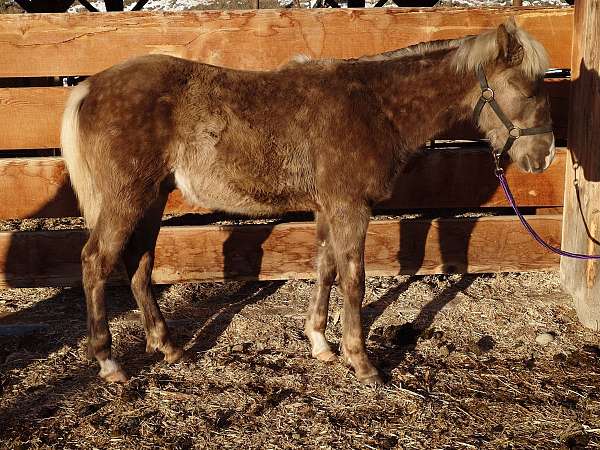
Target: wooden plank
x=34 y=115
x=465 y=178
x=581 y=214
x=452 y=178
x=38 y=111
x=266 y=252
x=37 y=187
x=82 y=44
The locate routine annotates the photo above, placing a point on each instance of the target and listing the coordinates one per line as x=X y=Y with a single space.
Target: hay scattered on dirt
x=460 y=353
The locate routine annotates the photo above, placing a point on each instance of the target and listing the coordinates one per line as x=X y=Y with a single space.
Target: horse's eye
x=529 y=95
x=526 y=92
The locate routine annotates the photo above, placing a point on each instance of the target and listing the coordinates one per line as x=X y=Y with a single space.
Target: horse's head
x=511 y=104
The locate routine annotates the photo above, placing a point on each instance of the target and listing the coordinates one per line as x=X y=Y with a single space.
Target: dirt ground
x=494 y=361
x=490 y=361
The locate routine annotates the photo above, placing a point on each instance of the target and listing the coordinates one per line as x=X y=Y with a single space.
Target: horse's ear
x=510 y=49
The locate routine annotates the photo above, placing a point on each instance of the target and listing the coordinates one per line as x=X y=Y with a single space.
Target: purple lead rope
x=511 y=200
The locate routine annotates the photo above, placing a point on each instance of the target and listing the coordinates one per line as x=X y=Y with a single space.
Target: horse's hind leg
x=99 y=257
x=139 y=261
x=348 y=230
x=316 y=319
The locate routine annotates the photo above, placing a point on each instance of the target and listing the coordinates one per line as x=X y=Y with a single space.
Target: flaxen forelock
x=482 y=49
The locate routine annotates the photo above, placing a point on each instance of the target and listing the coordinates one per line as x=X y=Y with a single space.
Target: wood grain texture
x=490 y=244
x=31 y=117
x=36 y=115
x=582 y=216
x=82 y=44
x=464 y=178
x=451 y=178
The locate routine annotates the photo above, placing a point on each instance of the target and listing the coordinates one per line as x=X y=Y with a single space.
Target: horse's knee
x=353 y=279
x=327 y=271
x=89 y=254
x=91 y=259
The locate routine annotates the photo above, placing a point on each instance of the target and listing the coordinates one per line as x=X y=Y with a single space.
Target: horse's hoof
x=118 y=376
x=372 y=380
x=173 y=356
x=326 y=356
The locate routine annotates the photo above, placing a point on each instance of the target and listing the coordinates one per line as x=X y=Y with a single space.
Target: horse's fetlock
x=154 y=342
x=99 y=344
x=318 y=342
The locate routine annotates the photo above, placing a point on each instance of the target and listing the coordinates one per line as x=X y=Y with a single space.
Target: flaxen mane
x=471 y=51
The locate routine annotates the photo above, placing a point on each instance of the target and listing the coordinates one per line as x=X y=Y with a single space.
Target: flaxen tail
x=79 y=170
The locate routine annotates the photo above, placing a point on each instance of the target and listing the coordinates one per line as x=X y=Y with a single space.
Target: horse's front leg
x=348 y=230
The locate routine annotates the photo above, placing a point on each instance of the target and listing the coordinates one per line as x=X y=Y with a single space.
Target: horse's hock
x=439 y=184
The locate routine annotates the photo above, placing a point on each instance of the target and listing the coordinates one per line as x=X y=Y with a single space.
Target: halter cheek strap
x=514 y=132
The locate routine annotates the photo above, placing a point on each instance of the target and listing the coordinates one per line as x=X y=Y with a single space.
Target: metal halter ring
x=487 y=94
x=515 y=132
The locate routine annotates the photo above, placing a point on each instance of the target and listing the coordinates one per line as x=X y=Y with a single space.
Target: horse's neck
x=424 y=97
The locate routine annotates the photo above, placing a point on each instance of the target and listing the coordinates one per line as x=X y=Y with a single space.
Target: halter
x=514 y=132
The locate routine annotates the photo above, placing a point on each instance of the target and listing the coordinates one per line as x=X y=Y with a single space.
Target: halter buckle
x=515 y=132
x=487 y=94
x=497 y=170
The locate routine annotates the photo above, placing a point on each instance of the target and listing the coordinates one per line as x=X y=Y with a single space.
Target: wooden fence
x=37 y=46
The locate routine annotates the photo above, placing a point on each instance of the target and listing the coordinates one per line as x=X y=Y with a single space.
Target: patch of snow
x=152 y=5
x=184 y=5
x=175 y=5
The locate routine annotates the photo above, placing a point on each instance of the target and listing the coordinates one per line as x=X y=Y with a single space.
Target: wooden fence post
x=581 y=219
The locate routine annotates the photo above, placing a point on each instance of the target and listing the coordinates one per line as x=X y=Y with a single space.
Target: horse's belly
x=212 y=192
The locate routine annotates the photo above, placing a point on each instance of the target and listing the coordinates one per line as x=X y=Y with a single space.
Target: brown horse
x=263 y=143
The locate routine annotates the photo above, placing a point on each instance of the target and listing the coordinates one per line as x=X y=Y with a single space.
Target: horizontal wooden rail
x=34 y=116
x=451 y=178
x=35 y=45
x=489 y=244
x=30 y=117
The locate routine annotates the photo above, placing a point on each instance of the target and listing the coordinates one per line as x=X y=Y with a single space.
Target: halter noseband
x=514 y=132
